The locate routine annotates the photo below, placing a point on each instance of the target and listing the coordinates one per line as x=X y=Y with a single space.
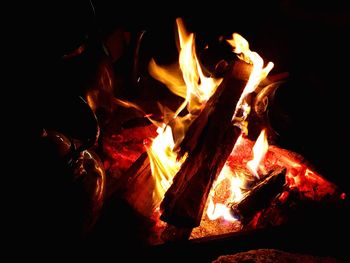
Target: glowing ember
x=241 y=47
x=238 y=179
x=196 y=89
x=240 y=172
x=234 y=190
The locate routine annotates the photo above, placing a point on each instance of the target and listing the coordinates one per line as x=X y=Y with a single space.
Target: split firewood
x=226 y=96
x=185 y=200
x=260 y=98
x=260 y=196
x=208 y=143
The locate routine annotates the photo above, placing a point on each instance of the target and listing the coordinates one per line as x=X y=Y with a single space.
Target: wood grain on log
x=208 y=143
x=260 y=196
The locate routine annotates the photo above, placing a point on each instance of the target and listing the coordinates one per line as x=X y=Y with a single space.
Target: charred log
x=208 y=143
x=184 y=202
x=260 y=196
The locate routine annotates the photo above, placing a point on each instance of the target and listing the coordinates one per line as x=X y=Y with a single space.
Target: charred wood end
x=260 y=196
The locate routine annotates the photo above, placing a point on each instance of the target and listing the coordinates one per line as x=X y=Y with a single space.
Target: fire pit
x=197 y=156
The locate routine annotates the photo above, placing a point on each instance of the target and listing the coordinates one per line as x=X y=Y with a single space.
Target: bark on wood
x=208 y=143
x=260 y=196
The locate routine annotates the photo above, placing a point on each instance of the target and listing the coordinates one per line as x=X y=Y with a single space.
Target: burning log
x=260 y=196
x=226 y=96
x=208 y=143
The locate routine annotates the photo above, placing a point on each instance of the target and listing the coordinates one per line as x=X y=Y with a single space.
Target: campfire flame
x=259 y=72
x=163 y=161
x=259 y=150
x=196 y=89
x=191 y=84
x=237 y=179
x=236 y=183
x=248 y=161
x=188 y=81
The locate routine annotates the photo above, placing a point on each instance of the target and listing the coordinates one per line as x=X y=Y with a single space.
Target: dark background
x=310 y=41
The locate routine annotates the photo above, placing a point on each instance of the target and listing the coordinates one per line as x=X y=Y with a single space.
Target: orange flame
x=259 y=72
x=260 y=148
x=192 y=84
x=241 y=48
x=236 y=183
x=163 y=162
x=188 y=81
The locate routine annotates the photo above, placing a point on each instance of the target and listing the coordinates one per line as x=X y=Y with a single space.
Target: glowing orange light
x=259 y=72
x=259 y=150
x=187 y=81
